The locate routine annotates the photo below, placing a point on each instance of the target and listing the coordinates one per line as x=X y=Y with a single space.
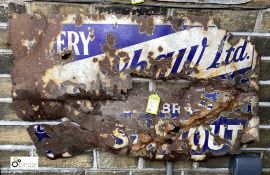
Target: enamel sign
x=85 y=68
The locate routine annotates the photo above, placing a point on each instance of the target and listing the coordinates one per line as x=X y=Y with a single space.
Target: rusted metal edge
x=229 y=2
x=164 y=4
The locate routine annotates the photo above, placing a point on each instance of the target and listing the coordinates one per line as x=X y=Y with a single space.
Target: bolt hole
x=175 y=129
x=169 y=141
x=66 y=56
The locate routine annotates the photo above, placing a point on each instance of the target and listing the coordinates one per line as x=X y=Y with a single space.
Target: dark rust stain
x=95 y=59
x=108 y=47
x=78 y=20
x=160 y=49
x=146 y=22
x=175 y=22
x=91 y=33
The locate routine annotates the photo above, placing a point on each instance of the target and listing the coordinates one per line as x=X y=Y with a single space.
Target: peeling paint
x=80 y=68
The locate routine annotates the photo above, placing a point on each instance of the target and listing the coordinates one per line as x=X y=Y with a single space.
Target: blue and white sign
x=207 y=52
x=84 y=71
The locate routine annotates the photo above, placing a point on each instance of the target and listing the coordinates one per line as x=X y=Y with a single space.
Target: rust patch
x=146 y=23
x=55 y=76
x=176 y=23
x=78 y=20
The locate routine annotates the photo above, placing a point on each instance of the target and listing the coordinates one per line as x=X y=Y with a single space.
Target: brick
x=264 y=141
x=262 y=45
x=127 y=9
x=156 y=172
x=3 y=14
x=3 y=39
x=108 y=173
x=17 y=7
x=264 y=70
x=257 y=4
x=266 y=160
x=59 y=8
x=198 y=172
x=109 y=160
x=8 y=8
x=46 y=173
x=182 y=164
x=5 y=87
x=219 y=162
x=264 y=114
x=80 y=161
x=163 y=164
x=7 y=112
x=231 y=20
x=265 y=172
x=5 y=157
x=155 y=164
x=265 y=25
x=223 y=162
x=264 y=94
x=5 y=63
x=7 y=1
x=14 y=135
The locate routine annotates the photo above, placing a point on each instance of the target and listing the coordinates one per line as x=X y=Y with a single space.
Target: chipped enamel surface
x=81 y=68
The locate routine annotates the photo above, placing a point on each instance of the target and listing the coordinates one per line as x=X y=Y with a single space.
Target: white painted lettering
x=235 y=129
x=85 y=42
x=72 y=44
x=175 y=108
x=166 y=108
x=60 y=42
x=211 y=140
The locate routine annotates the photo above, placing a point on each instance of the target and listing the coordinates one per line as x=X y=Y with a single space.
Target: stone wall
x=250 y=20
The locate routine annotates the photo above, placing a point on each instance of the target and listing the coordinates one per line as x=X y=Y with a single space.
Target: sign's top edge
x=216 y=2
x=106 y=18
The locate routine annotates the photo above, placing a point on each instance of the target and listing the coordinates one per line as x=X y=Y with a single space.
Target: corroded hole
x=66 y=56
x=169 y=141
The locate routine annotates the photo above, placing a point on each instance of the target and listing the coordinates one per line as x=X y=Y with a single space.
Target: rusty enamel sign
x=81 y=67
